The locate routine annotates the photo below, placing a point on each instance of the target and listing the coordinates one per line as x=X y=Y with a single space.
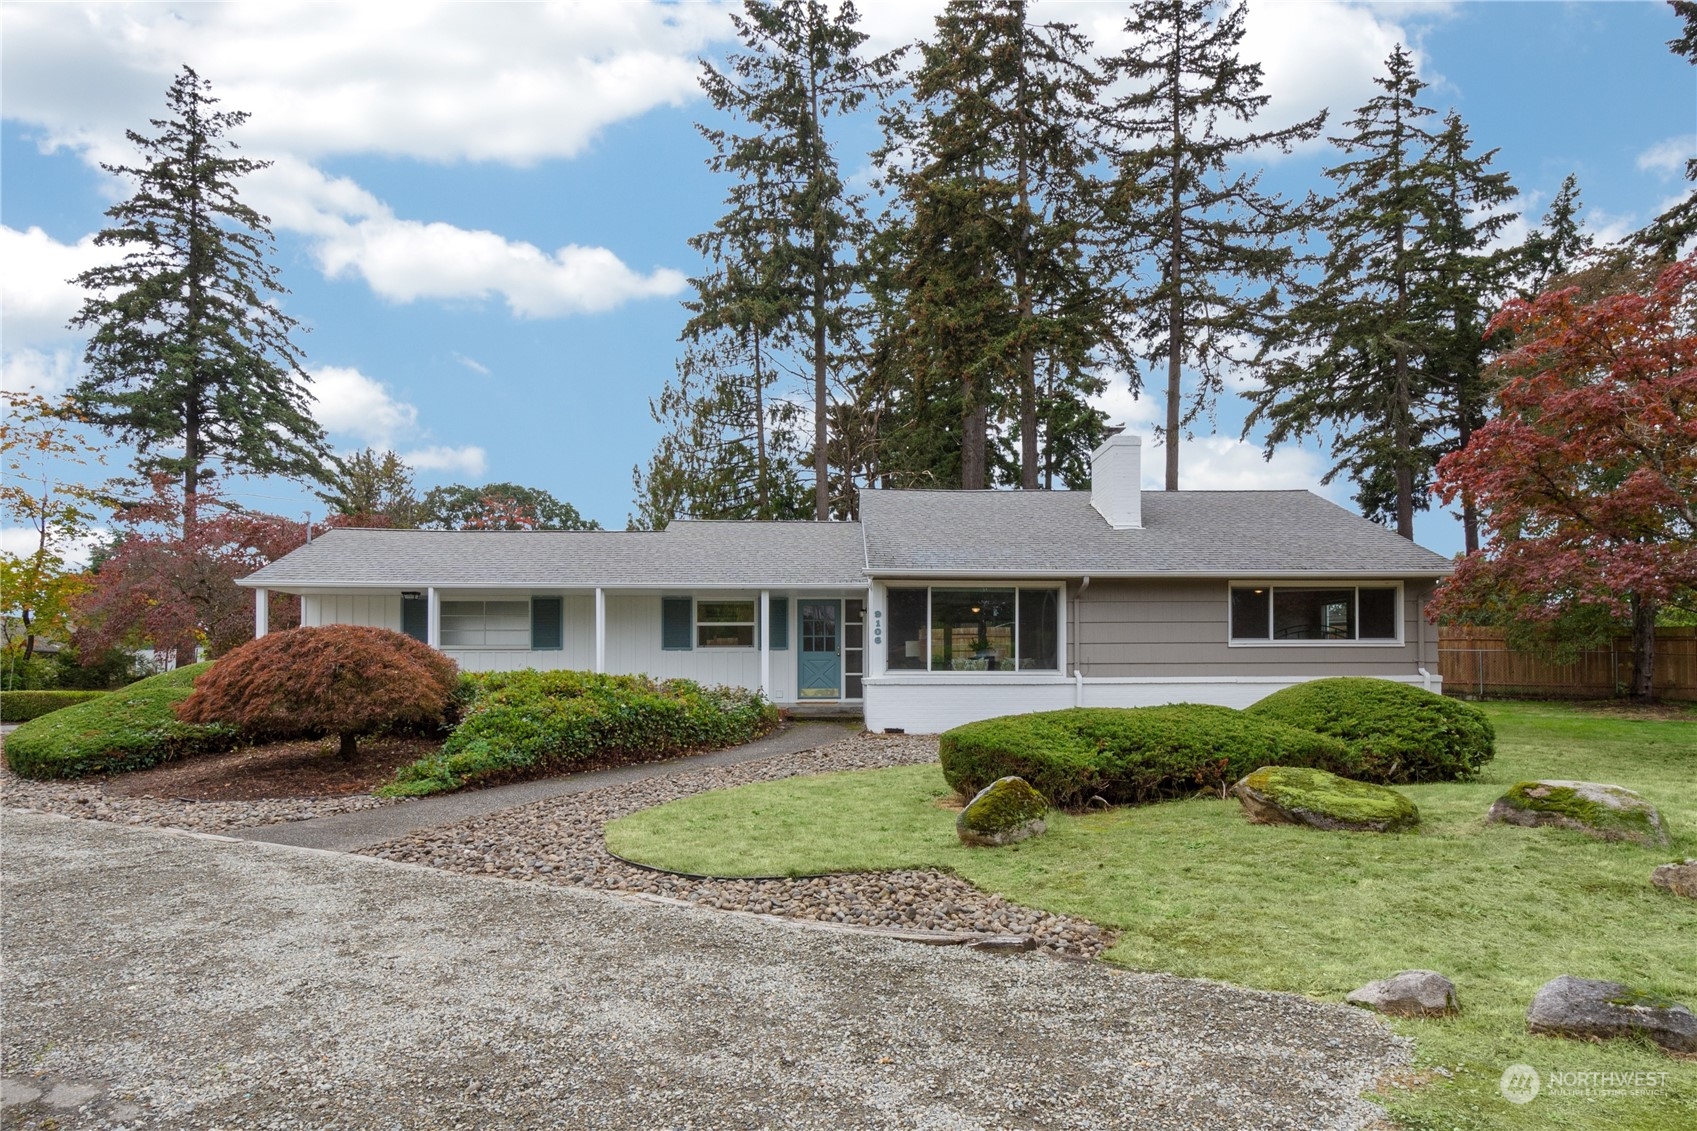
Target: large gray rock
x=1293 y=795
x=1608 y=812
x=1582 y=1007
x=1681 y=879
x=1410 y=993
x=1003 y=812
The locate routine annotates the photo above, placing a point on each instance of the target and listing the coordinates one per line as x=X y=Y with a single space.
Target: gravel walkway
x=155 y=980
x=559 y=841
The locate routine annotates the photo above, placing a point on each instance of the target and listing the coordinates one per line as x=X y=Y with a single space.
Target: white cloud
x=470 y=461
x=37 y=296
x=1221 y=463
x=472 y=364
x=350 y=403
x=443 y=82
x=21 y=541
x=45 y=371
x=1669 y=157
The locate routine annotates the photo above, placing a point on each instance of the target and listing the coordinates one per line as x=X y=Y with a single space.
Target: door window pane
x=972 y=630
x=905 y=649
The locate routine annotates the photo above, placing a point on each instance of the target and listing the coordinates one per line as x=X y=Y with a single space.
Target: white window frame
x=1335 y=583
x=1060 y=630
x=752 y=623
x=529 y=615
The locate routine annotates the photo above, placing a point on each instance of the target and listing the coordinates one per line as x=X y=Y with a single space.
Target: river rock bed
x=559 y=841
x=88 y=799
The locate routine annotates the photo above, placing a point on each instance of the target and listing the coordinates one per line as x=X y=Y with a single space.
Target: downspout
x=1420 y=644
x=1077 y=651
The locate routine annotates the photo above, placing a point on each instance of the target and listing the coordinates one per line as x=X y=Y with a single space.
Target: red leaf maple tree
x=1587 y=478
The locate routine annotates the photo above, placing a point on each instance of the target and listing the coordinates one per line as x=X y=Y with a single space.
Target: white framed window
x=1315 y=613
x=486 y=624
x=942 y=628
x=724 y=624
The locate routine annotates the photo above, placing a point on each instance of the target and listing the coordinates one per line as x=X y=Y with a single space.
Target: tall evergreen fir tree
x=993 y=310
x=1348 y=354
x=801 y=67
x=1674 y=230
x=1556 y=246
x=1467 y=280
x=190 y=357
x=1202 y=246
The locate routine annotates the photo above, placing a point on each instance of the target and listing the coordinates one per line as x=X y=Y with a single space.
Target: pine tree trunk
x=1401 y=435
x=1175 y=298
x=821 y=265
x=973 y=427
x=1022 y=286
x=762 y=500
x=1643 y=688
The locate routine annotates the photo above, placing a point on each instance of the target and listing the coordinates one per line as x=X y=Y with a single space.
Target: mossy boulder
x=1295 y=795
x=1681 y=879
x=1594 y=1010
x=1004 y=812
x=1607 y=812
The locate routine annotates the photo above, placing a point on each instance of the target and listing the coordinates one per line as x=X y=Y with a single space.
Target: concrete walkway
x=346 y=832
x=162 y=980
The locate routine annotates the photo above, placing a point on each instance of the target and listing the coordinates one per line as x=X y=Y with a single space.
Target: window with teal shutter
x=677 y=623
x=780 y=620
x=547 y=629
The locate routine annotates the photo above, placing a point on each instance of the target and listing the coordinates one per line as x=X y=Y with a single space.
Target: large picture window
x=973 y=630
x=486 y=624
x=1293 y=614
x=724 y=624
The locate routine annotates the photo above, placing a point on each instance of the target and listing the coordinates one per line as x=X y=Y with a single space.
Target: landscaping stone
x=1681 y=879
x=1607 y=812
x=1292 y=795
x=1409 y=993
x=1585 y=1008
x=1006 y=811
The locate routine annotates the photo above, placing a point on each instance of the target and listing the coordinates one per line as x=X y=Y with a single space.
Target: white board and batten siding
x=375 y=610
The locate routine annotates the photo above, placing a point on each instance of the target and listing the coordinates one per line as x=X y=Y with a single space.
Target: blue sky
x=482 y=211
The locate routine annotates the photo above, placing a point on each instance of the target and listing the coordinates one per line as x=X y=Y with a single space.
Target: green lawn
x=1196 y=890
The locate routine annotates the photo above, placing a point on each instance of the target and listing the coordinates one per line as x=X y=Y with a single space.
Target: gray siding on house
x=1178 y=629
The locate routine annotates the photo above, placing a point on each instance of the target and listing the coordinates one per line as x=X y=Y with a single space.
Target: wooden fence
x=1476 y=664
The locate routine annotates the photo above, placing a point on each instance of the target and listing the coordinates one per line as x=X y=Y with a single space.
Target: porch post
x=433 y=618
x=261 y=612
x=600 y=629
x=766 y=644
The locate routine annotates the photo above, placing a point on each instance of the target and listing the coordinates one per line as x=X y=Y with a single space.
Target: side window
x=677 y=624
x=547 y=630
x=780 y=624
x=415 y=616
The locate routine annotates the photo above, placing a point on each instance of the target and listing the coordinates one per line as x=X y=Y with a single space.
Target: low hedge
x=1398 y=734
x=22 y=706
x=527 y=722
x=1128 y=755
x=129 y=729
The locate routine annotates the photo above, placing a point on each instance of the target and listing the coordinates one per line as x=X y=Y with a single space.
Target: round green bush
x=129 y=729
x=1128 y=755
x=1398 y=734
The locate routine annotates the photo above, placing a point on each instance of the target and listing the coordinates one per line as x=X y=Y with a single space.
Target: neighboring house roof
x=750 y=555
x=1184 y=533
x=1244 y=534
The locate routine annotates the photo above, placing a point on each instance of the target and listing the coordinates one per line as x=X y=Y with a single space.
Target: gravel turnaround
x=155 y=979
x=560 y=841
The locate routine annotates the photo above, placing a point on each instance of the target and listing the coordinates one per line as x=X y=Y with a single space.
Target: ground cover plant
x=22 y=706
x=1121 y=756
x=1396 y=733
x=1195 y=889
x=341 y=679
x=529 y=722
x=129 y=729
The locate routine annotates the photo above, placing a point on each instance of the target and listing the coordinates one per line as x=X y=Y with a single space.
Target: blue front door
x=819 y=674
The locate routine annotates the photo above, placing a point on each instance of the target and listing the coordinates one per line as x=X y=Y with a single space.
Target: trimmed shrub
x=1398 y=734
x=22 y=706
x=342 y=679
x=129 y=729
x=529 y=722
x=1128 y=755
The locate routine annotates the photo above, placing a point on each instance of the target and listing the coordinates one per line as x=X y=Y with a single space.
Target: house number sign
x=877 y=626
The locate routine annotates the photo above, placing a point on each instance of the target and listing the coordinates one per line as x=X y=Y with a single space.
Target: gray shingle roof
x=745 y=554
x=1184 y=532
x=906 y=533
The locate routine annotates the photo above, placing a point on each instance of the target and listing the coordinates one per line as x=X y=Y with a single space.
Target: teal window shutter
x=415 y=617
x=677 y=623
x=547 y=627
x=780 y=620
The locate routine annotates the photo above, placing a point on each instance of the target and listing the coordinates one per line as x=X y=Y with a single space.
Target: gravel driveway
x=155 y=979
